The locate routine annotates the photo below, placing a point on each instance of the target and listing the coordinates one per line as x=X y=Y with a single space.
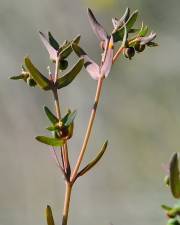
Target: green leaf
x=50 y=141
x=118 y=35
x=64 y=119
x=131 y=21
x=20 y=77
x=53 y=119
x=174 y=176
x=41 y=80
x=53 y=41
x=93 y=162
x=133 y=30
x=67 y=49
x=152 y=44
x=143 y=31
x=124 y=41
x=165 y=207
x=76 y=40
x=69 y=76
x=52 y=128
x=49 y=216
x=69 y=118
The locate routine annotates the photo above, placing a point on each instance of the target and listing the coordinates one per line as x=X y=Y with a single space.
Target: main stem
x=64 y=151
x=66 y=203
x=89 y=128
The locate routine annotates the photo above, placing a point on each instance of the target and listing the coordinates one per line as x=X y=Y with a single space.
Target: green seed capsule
x=139 y=48
x=63 y=64
x=31 y=82
x=129 y=52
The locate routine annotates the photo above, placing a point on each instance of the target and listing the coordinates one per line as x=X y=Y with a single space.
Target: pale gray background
x=139 y=114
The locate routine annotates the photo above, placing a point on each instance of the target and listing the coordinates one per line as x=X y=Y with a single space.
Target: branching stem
x=89 y=128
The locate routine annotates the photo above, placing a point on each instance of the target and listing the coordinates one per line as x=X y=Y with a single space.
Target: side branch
x=89 y=128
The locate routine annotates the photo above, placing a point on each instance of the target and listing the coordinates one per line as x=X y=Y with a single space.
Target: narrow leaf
x=49 y=216
x=70 y=118
x=96 y=26
x=132 y=19
x=126 y=15
x=174 y=176
x=91 y=67
x=65 y=118
x=152 y=44
x=67 y=49
x=52 y=128
x=19 y=77
x=53 y=41
x=50 y=141
x=53 y=119
x=69 y=76
x=52 y=52
x=119 y=34
x=76 y=40
x=124 y=41
x=133 y=30
x=41 y=80
x=119 y=23
x=146 y=40
x=143 y=31
x=165 y=207
x=94 y=162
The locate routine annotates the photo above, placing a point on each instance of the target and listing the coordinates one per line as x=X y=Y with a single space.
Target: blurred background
x=139 y=114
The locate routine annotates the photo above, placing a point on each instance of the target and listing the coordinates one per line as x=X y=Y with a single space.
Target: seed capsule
x=31 y=82
x=63 y=64
x=129 y=52
x=139 y=48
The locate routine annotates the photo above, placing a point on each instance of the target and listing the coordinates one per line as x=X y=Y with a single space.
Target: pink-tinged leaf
x=97 y=27
x=103 y=55
x=106 y=66
x=52 y=52
x=117 y=24
x=146 y=40
x=91 y=67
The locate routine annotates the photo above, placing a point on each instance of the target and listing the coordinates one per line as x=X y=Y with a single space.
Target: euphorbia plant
x=61 y=126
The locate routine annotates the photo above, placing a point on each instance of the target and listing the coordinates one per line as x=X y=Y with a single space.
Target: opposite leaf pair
x=62 y=130
x=98 y=71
